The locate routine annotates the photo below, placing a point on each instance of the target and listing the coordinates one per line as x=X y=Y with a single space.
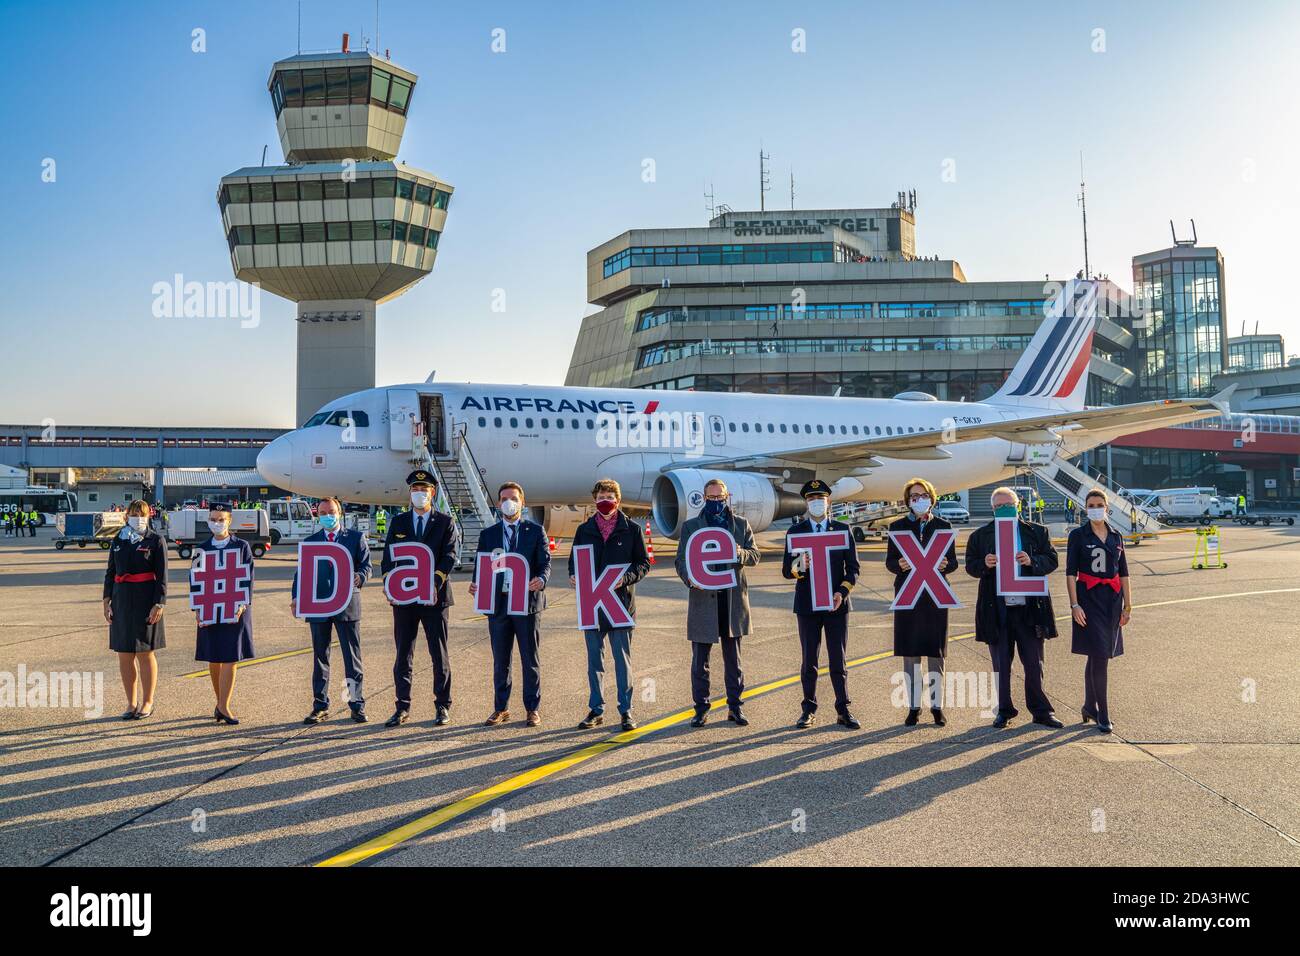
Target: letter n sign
x=706 y=548
x=1010 y=583
x=514 y=566
x=819 y=545
x=925 y=574
x=325 y=576
x=596 y=594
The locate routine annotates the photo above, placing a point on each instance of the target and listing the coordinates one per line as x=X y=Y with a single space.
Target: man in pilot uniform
x=812 y=623
x=437 y=530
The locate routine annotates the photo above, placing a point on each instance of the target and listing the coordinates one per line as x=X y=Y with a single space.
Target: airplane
x=664 y=446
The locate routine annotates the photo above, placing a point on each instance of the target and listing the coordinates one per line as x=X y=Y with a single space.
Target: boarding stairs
x=1073 y=482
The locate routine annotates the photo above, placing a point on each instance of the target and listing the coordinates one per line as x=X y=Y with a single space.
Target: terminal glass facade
x=1180 y=340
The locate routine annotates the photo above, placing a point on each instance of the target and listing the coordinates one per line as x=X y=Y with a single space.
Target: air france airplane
x=664 y=446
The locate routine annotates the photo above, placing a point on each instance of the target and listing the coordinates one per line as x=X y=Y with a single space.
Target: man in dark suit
x=1008 y=624
x=434 y=528
x=515 y=533
x=813 y=623
x=347 y=624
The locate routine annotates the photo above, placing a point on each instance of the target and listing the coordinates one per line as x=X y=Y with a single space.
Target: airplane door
x=1016 y=451
x=403 y=416
x=717 y=430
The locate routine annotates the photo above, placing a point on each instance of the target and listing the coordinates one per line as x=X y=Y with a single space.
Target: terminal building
x=339 y=227
x=827 y=301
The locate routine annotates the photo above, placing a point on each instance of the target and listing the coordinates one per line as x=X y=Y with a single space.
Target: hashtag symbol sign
x=220 y=581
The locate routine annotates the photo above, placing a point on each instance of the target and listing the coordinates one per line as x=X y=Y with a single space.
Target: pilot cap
x=815 y=487
x=219 y=506
x=421 y=477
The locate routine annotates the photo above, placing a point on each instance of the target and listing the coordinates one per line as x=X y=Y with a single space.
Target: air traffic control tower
x=339 y=227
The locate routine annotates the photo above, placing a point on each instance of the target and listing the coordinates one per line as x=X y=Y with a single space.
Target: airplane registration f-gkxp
x=663 y=446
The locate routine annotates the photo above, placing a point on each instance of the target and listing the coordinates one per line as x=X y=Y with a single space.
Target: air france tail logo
x=1063 y=355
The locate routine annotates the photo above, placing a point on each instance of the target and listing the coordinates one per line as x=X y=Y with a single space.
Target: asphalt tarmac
x=1204 y=767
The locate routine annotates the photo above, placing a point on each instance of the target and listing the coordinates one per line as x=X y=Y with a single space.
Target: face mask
x=714 y=509
x=420 y=500
x=509 y=507
x=138 y=523
x=606 y=507
x=218 y=528
x=921 y=506
x=1096 y=514
x=1004 y=511
x=817 y=507
x=328 y=521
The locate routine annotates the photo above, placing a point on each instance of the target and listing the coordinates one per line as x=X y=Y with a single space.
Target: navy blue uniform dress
x=227 y=643
x=1097 y=564
x=136 y=580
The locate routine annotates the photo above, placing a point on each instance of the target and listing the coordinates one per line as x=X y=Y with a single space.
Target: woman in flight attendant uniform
x=135 y=590
x=1096 y=576
x=224 y=645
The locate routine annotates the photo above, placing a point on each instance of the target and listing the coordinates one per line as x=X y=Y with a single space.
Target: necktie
x=510 y=537
x=419 y=526
x=329 y=536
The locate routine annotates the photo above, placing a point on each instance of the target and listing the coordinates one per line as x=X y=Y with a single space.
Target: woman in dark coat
x=922 y=631
x=135 y=590
x=1096 y=576
x=224 y=645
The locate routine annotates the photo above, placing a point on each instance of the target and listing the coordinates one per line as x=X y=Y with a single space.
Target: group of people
x=21 y=521
x=1097 y=583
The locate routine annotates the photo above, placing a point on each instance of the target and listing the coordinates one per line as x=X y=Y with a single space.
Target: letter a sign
x=1010 y=583
x=925 y=574
x=411 y=581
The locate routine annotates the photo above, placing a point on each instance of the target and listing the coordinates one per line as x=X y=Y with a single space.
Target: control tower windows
x=400 y=95
x=313 y=87
x=339 y=86
x=379 y=81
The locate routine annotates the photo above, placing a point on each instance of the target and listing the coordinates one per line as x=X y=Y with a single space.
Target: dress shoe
x=912 y=716
x=498 y=718
x=592 y=719
x=317 y=715
x=628 y=722
x=1049 y=720
x=534 y=718
x=1087 y=716
x=227 y=719
x=738 y=718
x=359 y=715
x=128 y=714
x=806 y=720
x=701 y=716
x=939 y=719
x=442 y=718
x=1001 y=720
x=399 y=717
x=1105 y=727
x=848 y=720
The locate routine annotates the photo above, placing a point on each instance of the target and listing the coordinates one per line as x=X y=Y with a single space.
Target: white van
x=291 y=519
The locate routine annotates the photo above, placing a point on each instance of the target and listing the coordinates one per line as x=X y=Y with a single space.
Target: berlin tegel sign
x=798 y=227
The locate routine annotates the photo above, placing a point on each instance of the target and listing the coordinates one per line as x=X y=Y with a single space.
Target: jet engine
x=679 y=495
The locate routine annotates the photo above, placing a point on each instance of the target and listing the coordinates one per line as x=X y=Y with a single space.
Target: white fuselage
x=557 y=440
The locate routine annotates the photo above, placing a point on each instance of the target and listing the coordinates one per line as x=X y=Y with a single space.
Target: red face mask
x=606 y=507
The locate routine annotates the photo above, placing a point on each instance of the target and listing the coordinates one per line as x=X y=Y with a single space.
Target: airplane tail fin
x=1053 y=371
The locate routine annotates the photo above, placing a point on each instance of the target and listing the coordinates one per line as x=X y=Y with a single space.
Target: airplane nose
x=275 y=461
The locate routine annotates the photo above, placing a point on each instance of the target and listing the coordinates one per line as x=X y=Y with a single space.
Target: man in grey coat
x=714 y=617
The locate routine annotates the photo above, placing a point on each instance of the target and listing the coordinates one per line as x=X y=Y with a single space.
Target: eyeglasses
x=715 y=497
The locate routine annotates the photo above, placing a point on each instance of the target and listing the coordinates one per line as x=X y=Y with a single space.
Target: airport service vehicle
x=88 y=527
x=290 y=519
x=952 y=512
x=48 y=502
x=1187 y=505
x=662 y=446
x=187 y=528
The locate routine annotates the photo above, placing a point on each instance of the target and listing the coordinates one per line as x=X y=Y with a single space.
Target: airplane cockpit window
x=317 y=419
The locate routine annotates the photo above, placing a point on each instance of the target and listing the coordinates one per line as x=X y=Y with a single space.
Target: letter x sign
x=925 y=574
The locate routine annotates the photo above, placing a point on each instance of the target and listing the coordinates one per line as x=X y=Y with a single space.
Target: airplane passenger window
x=482 y=422
x=514 y=423
x=877 y=429
x=559 y=423
x=782 y=428
x=590 y=424
x=546 y=423
x=820 y=430
x=844 y=429
x=731 y=425
x=528 y=423
x=575 y=423
x=769 y=427
x=889 y=429
x=496 y=422
x=855 y=429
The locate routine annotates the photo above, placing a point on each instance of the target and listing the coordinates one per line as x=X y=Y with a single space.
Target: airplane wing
x=928 y=445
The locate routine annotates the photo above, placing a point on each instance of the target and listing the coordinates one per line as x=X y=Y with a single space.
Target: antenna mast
x=764 y=180
x=300 y=27
x=792 y=189
x=709 y=200
x=1083 y=203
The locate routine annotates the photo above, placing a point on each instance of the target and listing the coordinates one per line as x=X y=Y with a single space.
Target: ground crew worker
x=8 y=518
x=1040 y=506
x=381 y=522
x=34 y=519
x=1241 y=504
x=22 y=520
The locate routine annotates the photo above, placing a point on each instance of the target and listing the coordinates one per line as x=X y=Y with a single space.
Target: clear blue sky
x=1189 y=113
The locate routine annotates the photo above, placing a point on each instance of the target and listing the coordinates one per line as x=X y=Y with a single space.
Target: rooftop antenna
x=1083 y=204
x=264 y=145
x=792 y=189
x=764 y=180
x=1183 y=242
x=300 y=27
x=376 y=24
x=709 y=201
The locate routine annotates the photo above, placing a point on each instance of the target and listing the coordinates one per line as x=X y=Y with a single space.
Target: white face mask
x=420 y=500
x=509 y=507
x=817 y=507
x=218 y=528
x=138 y=523
x=1096 y=514
x=921 y=506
